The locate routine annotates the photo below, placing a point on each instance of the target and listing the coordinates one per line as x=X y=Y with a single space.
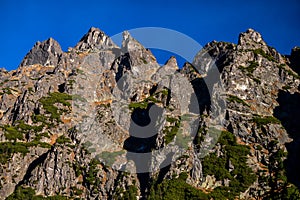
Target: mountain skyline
x=24 y=23
x=102 y=121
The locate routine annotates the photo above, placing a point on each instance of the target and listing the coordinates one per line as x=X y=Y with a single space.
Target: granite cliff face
x=108 y=122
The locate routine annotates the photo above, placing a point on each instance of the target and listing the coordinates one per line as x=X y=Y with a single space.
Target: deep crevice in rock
x=141 y=142
x=62 y=87
x=202 y=94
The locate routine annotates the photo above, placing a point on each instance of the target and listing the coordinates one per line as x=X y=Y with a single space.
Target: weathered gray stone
x=230 y=84
x=44 y=53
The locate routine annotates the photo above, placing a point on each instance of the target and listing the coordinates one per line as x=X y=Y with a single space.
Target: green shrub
x=41 y=118
x=213 y=165
x=144 y=60
x=259 y=120
x=200 y=136
x=7 y=149
x=277 y=179
x=18 y=130
x=175 y=189
x=30 y=89
x=165 y=92
x=25 y=128
x=129 y=194
x=232 y=98
x=241 y=177
x=135 y=105
x=251 y=68
x=22 y=193
x=11 y=133
x=264 y=54
x=171 y=131
x=91 y=178
x=286 y=87
x=249 y=71
x=171 y=119
x=77 y=191
x=27 y=193
x=62 y=140
x=7 y=90
x=56 y=97
x=151 y=99
x=223 y=193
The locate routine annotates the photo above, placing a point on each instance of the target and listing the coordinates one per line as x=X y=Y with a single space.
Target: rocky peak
x=172 y=63
x=66 y=129
x=44 y=53
x=138 y=53
x=251 y=40
x=214 y=53
x=94 y=39
x=190 y=71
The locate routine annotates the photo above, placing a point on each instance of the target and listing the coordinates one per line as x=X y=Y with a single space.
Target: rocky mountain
x=107 y=122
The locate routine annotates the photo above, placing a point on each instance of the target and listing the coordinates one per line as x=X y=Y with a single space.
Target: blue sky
x=25 y=22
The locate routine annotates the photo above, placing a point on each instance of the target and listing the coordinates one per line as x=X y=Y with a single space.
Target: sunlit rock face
x=106 y=122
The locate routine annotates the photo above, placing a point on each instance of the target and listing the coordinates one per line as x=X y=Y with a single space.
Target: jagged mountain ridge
x=43 y=147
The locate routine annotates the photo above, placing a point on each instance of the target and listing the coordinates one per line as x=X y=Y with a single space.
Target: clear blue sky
x=25 y=22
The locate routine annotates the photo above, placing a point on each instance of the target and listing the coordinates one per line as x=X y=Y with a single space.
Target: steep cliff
x=108 y=122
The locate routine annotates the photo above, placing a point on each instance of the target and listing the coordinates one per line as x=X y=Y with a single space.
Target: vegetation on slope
x=54 y=98
x=27 y=193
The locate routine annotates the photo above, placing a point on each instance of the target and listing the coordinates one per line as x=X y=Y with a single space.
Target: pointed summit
x=138 y=53
x=129 y=44
x=251 y=39
x=95 y=39
x=172 y=63
x=45 y=53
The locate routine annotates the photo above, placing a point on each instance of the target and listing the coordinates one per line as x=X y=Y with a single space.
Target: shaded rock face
x=286 y=111
x=294 y=59
x=107 y=122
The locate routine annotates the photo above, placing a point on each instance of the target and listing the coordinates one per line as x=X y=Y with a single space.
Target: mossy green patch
x=175 y=189
x=27 y=193
x=171 y=131
x=53 y=98
x=17 y=131
x=232 y=98
x=241 y=177
x=63 y=140
x=260 y=120
x=264 y=54
x=7 y=149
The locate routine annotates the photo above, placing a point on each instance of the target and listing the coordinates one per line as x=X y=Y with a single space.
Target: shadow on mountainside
x=143 y=133
x=288 y=113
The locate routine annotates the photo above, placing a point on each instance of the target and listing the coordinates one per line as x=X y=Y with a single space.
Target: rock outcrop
x=107 y=122
x=44 y=53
